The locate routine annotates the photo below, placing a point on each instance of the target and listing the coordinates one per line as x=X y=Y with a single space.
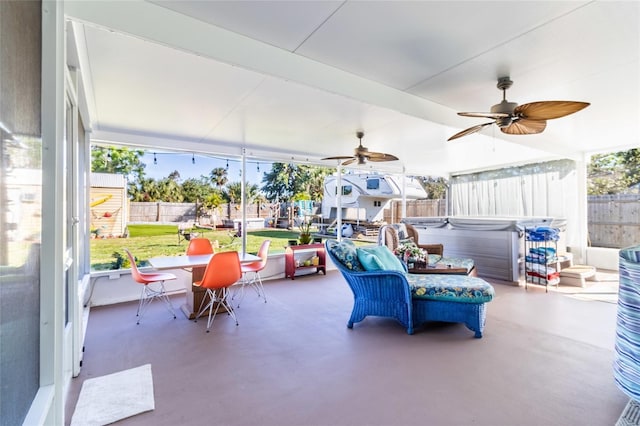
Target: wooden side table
x=290 y=267
x=443 y=269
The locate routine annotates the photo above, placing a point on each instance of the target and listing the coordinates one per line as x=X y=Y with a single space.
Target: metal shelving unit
x=542 y=265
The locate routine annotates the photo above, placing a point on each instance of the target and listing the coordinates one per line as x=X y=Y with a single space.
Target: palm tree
x=148 y=190
x=234 y=192
x=170 y=191
x=219 y=177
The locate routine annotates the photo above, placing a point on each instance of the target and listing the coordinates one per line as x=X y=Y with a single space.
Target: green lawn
x=146 y=241
x=145 y=230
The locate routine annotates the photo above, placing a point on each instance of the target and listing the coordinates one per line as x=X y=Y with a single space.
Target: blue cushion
x=370 y=261
x=345 y=253
x=379 y=258
x=452 y=288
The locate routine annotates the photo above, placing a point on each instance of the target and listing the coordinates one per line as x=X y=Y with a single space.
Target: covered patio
x=545 y=358
x=294 y=81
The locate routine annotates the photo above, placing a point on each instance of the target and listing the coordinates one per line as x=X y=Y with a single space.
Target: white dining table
x=194 y=261
x=197 y=264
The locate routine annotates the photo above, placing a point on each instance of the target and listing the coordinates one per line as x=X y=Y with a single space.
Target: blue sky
x=183 y=163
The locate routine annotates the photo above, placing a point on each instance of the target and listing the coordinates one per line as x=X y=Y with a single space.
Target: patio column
x=243 y=197
x=404 y=194
x=339 y=203
x=582 y=226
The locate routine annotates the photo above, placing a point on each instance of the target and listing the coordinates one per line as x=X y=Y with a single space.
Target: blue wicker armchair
x=379 y=293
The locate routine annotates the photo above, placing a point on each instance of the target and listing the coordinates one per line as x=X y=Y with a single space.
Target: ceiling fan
x=362 y=154
x=526 y=119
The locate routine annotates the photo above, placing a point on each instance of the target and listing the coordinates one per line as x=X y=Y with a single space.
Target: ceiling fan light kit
x=362 y=154
x=526 y=119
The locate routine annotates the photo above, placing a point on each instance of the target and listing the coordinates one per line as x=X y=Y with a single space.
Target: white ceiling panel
x=285 y=24
x=403 y=43
x=297 y=78
x=145 y=87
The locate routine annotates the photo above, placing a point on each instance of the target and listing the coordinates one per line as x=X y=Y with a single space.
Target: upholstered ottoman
x=576 y=275
x=450 y=298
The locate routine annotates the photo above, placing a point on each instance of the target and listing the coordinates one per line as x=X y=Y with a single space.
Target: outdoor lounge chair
x=410 y=299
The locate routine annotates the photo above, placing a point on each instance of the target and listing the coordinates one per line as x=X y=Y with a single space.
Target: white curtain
x=535 y=190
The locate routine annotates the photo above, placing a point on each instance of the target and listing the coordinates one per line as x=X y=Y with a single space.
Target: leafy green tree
x=219 y=177
x=436 y=187
x=233 y=192
x=174 y=175
x=614 y=172
x=301 y=196
x=313 y=182
x=277 y=183
x=124 y=161
x=631 y=160
x=169 y=191
x=145 y=190
x=285 y=180
x=214 y=200
x=196 y=190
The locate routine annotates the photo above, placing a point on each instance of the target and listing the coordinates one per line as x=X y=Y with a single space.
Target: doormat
x=107 y=399
x=630 y=415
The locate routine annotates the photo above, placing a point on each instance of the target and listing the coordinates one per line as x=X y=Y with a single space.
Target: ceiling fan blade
x=339 y=157
x=469 y=131
x=525 y=127
x=379 y=156
x=350 y=161
x=494 y=115
x=547 y=110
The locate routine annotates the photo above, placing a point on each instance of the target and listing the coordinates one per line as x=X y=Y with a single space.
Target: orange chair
x=222 y=272
x=199 y=246
x=254 y=269
x=149 y=293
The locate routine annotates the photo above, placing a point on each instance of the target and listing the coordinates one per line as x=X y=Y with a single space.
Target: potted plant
x=412 y=255
x=305 y=232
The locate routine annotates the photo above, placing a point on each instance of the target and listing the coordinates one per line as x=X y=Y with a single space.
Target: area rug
x=107 y=399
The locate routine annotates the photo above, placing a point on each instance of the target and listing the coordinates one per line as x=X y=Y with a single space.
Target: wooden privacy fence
x=416 y=208
x=186 y=212
x=614 y=220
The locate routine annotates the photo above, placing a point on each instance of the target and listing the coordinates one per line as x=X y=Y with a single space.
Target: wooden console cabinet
x=294 y=257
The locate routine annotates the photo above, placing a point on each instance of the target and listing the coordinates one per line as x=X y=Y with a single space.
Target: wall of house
x=108 y=219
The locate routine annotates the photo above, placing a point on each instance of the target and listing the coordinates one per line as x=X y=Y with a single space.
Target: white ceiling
x=294 y=80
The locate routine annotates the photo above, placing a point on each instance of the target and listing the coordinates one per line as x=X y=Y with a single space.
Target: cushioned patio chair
x=395 y=234
x=378 y=293
x=392 y=235
x=409 y=298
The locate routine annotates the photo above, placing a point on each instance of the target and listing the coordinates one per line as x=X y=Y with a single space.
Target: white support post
x=243 y=197
x=339 y=203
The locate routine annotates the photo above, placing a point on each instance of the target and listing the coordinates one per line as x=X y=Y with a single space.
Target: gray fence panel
x=614 y=220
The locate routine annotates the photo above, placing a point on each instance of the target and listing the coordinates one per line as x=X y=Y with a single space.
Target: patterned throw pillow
x=345 y=252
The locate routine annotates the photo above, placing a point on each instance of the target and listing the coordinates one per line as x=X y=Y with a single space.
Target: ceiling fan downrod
x=504 y=107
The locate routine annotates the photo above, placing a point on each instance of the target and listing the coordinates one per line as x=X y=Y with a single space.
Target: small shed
x=108 y=205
